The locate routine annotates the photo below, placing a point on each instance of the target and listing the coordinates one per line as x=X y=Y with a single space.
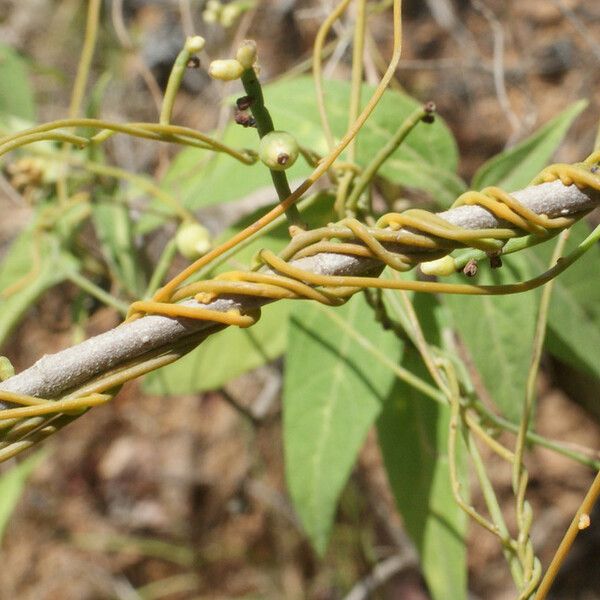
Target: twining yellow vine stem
x=83 y=71
x=580 y=521
x=152 y=131
x=317 y=68
x=358 y=48
x=424 y=234
x=165 y=292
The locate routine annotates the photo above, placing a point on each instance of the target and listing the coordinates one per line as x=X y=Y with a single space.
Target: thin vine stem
x=165 y=292
x=399 y=371
x=358 y=48
x=154 y=131
x=317 y=68
x=97 y=292
x=536 y=355
x=162 y=267
x=264 y=126
x=369 y=172
x=81 y=78
x=580 y=521
x=535 y=438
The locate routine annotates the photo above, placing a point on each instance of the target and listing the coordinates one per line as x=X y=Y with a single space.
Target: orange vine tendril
x=422 y=235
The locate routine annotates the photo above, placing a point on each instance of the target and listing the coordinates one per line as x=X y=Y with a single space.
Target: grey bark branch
x=53 y=375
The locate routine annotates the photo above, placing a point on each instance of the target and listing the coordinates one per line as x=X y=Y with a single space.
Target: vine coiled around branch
x=398 y=240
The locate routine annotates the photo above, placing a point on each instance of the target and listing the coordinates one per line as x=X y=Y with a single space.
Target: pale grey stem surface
x=53 y=375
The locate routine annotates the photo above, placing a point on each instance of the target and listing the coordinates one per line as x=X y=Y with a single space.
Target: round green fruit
x=192 y=240
x=278 y=150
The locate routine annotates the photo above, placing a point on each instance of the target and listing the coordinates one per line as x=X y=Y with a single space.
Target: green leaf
x=16 y=267
x=114 y=229
x=225 y=355
x=251 y=348
x=16 y=94
x=498 y=332
x=427 y=160
x=413 y=436
x=333 y=391
x=12 y=484
x=515 y=168
x=573 y=333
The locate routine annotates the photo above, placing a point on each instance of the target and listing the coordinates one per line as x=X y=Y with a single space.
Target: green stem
x=264 y=125
x=384 y=153
x=538 y=345
x=494 y=509
x=162 y=267
x=81 y=77
x=358 y=48
x=511 y=246
x=401 y=373
x=173 y=84
x=317 y=67
x=153 y=131
x=97 y=292
x=535 y=438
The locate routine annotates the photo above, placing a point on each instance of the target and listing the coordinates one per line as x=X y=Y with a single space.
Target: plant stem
x=401 y=373
x=358 y=48
x=173 y=84
x=577 y=524
x=317 y=66
x=164 y=262
x=83 y=71
x=535 y=438
x=264 y=125
x=536 y=355
x=97 y=292
x=384 y=153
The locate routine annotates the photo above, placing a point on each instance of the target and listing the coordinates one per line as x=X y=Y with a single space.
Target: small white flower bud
x=246 y=54
x=225 y=69
x=195 y=44
x=441 y=266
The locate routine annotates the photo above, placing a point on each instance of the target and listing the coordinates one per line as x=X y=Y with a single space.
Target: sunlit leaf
x=114 y=229
x=573 y=333
x=498 y=332
x=333 y=392
x=516 y=167
x=413 y=435
x=16 y=93
x=23 y=282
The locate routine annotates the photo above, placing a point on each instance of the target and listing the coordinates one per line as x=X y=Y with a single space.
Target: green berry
x=278 y=150
x=192 y=240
